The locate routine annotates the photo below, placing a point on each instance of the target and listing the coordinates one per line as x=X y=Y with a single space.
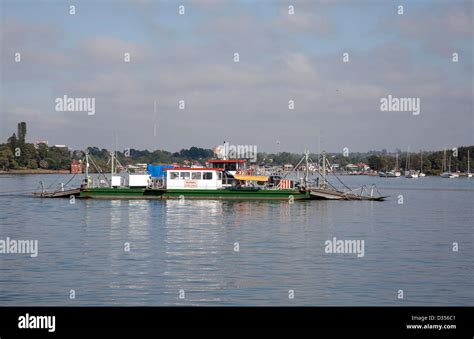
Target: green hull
x=229 y=194
x=142 y=193
x=114 y=193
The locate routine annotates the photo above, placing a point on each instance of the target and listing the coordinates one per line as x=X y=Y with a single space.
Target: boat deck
x=328 y=194
x=59 y=194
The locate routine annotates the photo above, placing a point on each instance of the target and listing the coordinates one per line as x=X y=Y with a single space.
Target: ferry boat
x=222 y=179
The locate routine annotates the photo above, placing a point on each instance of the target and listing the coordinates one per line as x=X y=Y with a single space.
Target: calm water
x=189 y=246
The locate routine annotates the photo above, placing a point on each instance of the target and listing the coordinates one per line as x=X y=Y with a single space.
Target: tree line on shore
x=16 y=153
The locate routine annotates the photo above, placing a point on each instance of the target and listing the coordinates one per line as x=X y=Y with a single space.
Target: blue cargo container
x=157 y=171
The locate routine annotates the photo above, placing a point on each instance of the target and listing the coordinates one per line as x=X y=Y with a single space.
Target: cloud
x=107 y=49
x=305 y=22
x=209 y=3
x=246 y=100
x=16 y=33
x=439 y=29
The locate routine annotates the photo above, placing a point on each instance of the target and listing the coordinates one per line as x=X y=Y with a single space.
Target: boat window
x=196 y=175
x=219 y=175
x=174 y=175
x=207 y=175
x=185 y=175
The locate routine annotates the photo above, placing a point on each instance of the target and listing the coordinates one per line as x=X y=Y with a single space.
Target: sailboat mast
x=306 y=175
x=112 y=154
x=324 y=167
x=444 y=161
x=468 y=163
x=407 y=162
x=421 y=161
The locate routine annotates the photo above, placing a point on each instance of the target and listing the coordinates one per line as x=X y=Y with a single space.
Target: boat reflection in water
x=195 y=237
x=211 y=257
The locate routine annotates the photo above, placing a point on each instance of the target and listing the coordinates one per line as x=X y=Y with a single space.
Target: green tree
x=42 y=151
x=7 y=159
x=58 y=158
x=13 y=142
x=32 y=164
x=376 y=162
x=28 y=153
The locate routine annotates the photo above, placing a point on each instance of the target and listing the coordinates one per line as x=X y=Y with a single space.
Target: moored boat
x=409 y=173
x=393 y=174
x=448 y=174
x=421 y=174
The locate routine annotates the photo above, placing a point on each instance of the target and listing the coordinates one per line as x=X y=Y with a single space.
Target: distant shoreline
x=35 y=171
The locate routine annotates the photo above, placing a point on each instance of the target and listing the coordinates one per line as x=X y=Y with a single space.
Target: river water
x=159 y=253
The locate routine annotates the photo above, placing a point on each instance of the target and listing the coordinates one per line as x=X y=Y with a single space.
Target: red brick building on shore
x=76 y=167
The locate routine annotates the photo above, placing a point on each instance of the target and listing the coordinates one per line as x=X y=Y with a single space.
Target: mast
x=407 y=162
x=444 y=161
x=421 y=161
x=87 y=168
x=324 y=167
x=112 y=154
x=306 y=174
x=319 y=147
x=468 y=163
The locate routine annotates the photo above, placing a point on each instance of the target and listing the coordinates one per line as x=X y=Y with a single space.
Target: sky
x=282 y=57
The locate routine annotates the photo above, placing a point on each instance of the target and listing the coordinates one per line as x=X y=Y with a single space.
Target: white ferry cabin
x=193 y=178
